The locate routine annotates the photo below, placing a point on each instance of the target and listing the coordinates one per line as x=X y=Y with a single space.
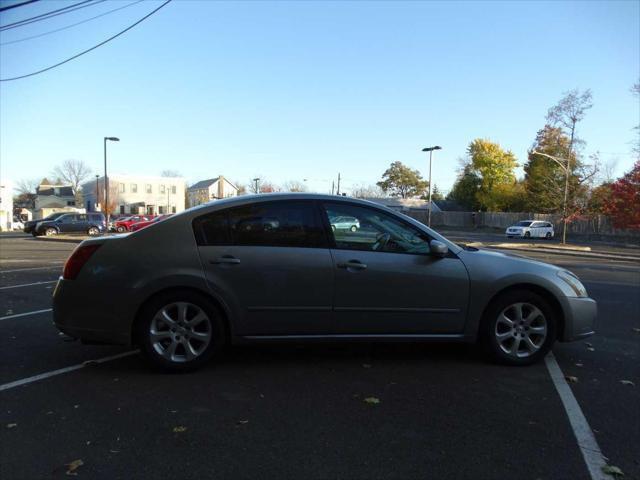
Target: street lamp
x=430 y=150
x=566 y=168
x=256 y=180
x=106 y=179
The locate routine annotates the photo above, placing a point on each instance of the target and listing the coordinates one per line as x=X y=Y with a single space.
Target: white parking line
x=584 y=435
x=60 y=371
x=28 y=284
x=30 y=268
x=35 y=312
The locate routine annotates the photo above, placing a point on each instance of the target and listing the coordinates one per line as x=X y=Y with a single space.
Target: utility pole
x=333 y=184
x=338 y=191
x=256 y=180
x=430 y=150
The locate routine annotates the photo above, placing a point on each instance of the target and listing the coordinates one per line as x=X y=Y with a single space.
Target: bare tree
x=73 y=172
x=27 y=186
x=294 y=186
x=570 y=110
x=170 y=173
x=367 y=191
x=242 y=188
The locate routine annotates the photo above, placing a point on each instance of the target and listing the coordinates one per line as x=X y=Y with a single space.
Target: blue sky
x=294 y=90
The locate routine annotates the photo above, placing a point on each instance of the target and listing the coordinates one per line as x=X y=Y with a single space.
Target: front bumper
x=580 y=318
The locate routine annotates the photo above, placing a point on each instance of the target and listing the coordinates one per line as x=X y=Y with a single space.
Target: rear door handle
x=353 y=264
x=226 y=259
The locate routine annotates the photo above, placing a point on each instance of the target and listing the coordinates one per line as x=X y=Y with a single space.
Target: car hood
x=507 y=262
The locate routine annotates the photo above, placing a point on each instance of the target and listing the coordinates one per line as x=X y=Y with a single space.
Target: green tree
x=400 y=181
x=436 y=196
x=495 y=167
x=465 y=188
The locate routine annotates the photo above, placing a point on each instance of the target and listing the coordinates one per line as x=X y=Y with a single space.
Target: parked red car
x=125 y=225
x=140 y=225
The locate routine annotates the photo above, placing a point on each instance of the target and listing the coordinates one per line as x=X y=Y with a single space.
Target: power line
x=87 y=50
x=69 y=26
x=16 y=5
x=51 y=14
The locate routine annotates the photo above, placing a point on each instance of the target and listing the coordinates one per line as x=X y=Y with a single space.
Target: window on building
x=121 y=187
x=161 y=210
x=134 y=188
x=149 y=189
x=162 y=189
x=70 y=203
x=173 y=209
x=173 y=189
x=121 y=209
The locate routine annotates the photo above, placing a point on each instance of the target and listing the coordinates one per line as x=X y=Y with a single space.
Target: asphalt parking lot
x=442 y=411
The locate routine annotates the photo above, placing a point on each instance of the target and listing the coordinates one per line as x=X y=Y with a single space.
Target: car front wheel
x=519 y=328
x=527 y=235
x=50 y=231
x=180 y=331
x=121 y=229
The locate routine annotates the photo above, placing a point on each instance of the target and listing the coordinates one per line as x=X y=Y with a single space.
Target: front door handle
x=353 y=265
x=225 y=260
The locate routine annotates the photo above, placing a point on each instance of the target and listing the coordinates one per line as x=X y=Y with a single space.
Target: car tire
x=517 y=343
x=121 y=229
x=49 y=231
x=333 y=228
x=527 y=234
x=354 y=228
x=164 y=345
x=93 y=231
x=548 y=236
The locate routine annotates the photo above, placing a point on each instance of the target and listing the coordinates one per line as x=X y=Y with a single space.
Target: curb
x=572 y=253
x=59 y=240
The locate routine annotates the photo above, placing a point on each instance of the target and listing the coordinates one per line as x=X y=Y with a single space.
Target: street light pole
x=106 y=179
x=566 y=168
x=256 y=180
x=430 y=150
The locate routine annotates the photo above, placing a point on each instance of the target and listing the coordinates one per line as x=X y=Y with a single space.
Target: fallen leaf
x=628 y=382
x=114 y=451
x=179 y=429
x=76 y=406
x=88 y=442
x=372 y=400
x=242 y=422
x=571 y=379
x=73 y=466
x=12 y=425
x=366 y=365
x=613 y=471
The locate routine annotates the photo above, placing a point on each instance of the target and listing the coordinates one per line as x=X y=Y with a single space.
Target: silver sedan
x=270 y=268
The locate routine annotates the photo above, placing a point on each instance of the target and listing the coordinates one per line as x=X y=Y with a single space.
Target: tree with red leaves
x=623 y=206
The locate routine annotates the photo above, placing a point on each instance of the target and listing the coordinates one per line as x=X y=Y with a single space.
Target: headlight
x=574 y=282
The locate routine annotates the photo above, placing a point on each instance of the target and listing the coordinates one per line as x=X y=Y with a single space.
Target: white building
x=212 y=189
x=136 y=194
x=6 y=206
x=54 y=195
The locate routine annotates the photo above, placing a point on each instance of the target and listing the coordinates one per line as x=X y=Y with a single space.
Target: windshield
x=523 y=224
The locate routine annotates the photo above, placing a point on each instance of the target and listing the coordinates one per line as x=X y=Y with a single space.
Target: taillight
x=78 y=258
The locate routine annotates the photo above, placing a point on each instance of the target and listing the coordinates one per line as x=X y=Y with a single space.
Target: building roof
x=207 y=183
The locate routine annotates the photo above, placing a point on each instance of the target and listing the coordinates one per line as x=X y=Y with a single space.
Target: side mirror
x=438 y=249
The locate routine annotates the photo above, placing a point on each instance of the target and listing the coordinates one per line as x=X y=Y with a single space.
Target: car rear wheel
x=50 y=231
x=180 y=331
x=93 y=231
x=519 y=328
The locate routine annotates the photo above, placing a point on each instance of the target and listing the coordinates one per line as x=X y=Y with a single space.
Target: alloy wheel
x=521 y=330
x=180 y=332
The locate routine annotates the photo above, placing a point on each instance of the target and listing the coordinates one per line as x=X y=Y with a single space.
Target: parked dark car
x=89 y=223
x=30 y=226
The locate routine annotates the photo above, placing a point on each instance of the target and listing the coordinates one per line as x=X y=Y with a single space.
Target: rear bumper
x=580 y=318
x=79 y=318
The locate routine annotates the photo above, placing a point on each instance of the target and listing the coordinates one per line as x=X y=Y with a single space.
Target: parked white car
x=531 y=229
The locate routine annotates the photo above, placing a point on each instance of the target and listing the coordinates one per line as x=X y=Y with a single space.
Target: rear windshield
x=523 y=224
